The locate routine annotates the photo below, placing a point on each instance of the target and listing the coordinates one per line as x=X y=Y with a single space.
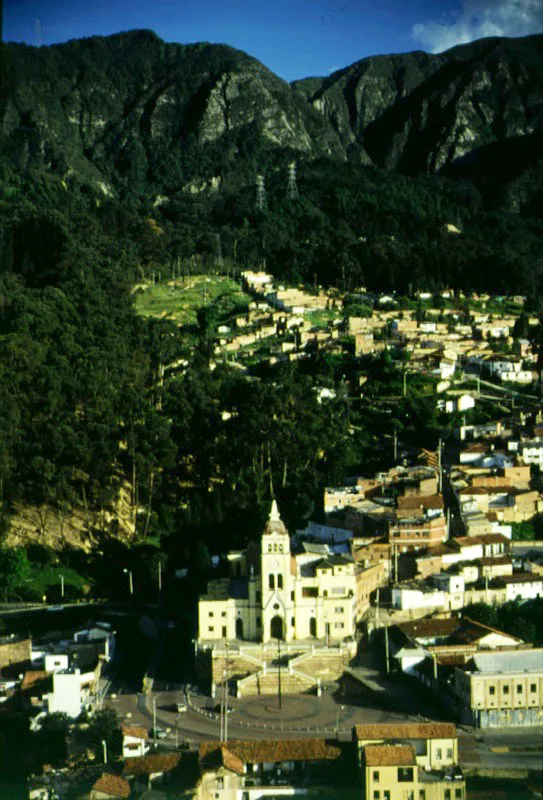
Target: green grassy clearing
x=47 y=581
x=180 y=300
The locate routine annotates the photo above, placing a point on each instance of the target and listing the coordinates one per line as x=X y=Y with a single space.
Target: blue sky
x=294 y=38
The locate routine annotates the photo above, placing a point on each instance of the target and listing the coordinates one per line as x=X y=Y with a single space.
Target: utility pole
x=130 y=580
x=440 y=466
x=104 y=748
x=377 y=608
x=404 y=382
x=386 y=651
x=261 y=202
x=62 y=586
x=279 y=671
x=219 y=263
x=224 y=699
x=292 y=188
x=159 y=575
x=395 y=446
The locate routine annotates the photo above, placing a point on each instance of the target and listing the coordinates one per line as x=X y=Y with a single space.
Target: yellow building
x=410 y=761
x=273 y=594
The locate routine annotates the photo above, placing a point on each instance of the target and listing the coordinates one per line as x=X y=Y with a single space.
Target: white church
x=272 y=594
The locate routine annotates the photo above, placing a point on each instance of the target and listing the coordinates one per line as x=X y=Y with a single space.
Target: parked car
x=157 y=733
x=181 y=708
x=217 y=709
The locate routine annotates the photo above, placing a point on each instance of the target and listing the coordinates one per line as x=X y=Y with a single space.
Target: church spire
x=274 y=512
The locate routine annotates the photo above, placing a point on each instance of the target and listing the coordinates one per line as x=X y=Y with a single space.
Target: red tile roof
x=149 y=764
x=113 y=785
x=408 y=730
x=135 y=731
x=276 y=750
x=389 y=755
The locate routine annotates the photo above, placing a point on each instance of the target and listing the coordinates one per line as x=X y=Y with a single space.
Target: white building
x=73 y=691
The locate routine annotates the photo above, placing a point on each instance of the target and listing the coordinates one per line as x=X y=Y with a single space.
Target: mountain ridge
x=130 y=108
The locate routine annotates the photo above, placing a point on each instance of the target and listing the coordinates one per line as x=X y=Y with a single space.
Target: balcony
x=428 y=775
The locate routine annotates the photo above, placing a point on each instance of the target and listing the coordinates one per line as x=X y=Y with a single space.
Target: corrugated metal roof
x=515 y=661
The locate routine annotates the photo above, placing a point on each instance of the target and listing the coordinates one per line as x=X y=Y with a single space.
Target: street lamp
x=62 y=586
x=130 y=581
x=342 y=708
x=104 y=745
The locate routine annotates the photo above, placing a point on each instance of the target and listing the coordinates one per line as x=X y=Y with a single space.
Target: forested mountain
x=132 y=112
x=125 y=157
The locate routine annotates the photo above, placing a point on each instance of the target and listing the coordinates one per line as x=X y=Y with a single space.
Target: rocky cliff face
x=130 y=110
x=420 y=113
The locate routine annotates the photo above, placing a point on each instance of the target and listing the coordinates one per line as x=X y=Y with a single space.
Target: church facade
x=273 y=594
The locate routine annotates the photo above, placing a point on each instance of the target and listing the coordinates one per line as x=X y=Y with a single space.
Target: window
x=458 y=794
x=292 y=621
x=438 y=754
x=447 y=794
x=376 y=795
x=339 y=625
x=376 y=775
x=211 y=629
x=533 y=687
x=338 y=590
x=220 y=783
x=405 y=774
x=259 y=622
x=271 y=581
x=258 y=597
x=211 y=614
x=338 y=609
x=505 y=689
x=325 y=593
x=449 y=752
x=386 y=795
x=280 y=548
x=224 y=631
x=492 y=690
x=422 y=794
x=292 y=595
x=520 y=688
x=279 y=581
x=269 y=548
x=223 y=613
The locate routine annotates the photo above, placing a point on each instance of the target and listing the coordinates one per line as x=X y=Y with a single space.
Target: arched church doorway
x=313 y=627
x=239 y=628
x=277 y=628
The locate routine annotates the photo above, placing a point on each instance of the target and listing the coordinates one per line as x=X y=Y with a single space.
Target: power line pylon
x=37 y=33
x=292 y=188
x=261 y=202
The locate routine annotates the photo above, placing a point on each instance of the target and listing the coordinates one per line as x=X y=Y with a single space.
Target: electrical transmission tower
x=292 y=188
x=261 y=202
x=37 y=33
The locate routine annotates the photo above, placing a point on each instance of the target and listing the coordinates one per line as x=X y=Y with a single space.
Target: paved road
x=308 y=715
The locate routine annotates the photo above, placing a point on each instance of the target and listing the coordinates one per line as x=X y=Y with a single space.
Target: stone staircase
x=254 y=669
x=260 y=683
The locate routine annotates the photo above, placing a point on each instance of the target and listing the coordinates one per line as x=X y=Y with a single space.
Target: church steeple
x=275 y=524
x=274 y=512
